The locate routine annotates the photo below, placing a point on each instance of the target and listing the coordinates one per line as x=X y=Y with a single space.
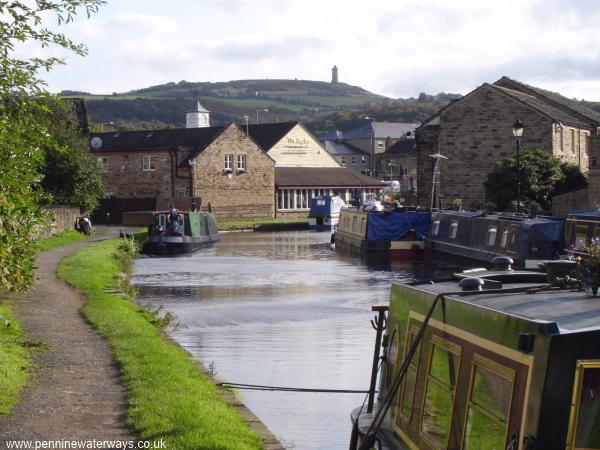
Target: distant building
x=198 y=117
x=399 y=162
x=334 y=75
x=475 y=132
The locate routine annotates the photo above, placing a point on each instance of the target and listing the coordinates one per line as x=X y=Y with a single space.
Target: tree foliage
x=23 y=137
x=542 y=176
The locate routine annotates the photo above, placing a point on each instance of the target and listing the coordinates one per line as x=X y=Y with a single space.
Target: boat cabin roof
x=561 y=310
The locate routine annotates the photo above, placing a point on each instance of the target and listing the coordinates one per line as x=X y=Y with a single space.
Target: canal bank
x=168 y=397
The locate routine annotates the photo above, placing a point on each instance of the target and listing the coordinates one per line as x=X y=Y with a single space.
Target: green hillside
x=322 y=105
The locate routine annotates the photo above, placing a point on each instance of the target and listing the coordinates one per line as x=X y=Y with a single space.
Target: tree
x=70 y=173
x=23 y=137
x=540 y=173
x=573 y=179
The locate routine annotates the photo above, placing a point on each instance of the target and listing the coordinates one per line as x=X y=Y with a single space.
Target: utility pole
x=437 y=156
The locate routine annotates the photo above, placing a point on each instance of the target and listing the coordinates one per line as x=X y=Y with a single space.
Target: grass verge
x=168 y=397
x=14 y=363
x=232 y=225
x=65 y=238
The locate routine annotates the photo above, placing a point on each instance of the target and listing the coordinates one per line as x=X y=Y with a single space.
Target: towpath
x=75 y=392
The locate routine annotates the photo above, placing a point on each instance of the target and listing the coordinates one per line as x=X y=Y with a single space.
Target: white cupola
x=197 y=118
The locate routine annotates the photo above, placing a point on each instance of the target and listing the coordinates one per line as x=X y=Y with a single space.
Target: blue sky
x=396 y=48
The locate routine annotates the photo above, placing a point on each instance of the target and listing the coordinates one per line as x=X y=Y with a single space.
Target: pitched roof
x=383 y=130
x=402 y=147
x=542 y=106
x=334 y=177
x=199 y=108
x=342 y=148
x=268 y=134
x=572 y=107
x=122 y=141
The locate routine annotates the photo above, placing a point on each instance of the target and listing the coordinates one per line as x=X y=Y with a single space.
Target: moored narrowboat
x=483 y=237
x=395 y=233
x=189 y=232
x=324 y=212
x=580 y=228
x=488 y=360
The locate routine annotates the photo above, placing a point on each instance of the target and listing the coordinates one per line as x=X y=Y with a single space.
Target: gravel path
x=75 y=392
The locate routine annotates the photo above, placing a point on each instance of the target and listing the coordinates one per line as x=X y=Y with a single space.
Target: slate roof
x=383 y=130
x=573 y=107
x=402 y=147
x=173 y=138
x=334 y=177
x=266 y=135
x=544 y=107
x=342 y=148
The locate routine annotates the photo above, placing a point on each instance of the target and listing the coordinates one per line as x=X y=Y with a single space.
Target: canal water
x=279 y=309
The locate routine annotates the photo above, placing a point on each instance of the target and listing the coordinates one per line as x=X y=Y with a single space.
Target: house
x=365 y=143
x=240 y=171
x=399 y=162
x=475 y=132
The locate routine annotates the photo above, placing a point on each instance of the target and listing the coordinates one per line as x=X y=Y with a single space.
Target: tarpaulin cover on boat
x=540 y=239
x=392 y=226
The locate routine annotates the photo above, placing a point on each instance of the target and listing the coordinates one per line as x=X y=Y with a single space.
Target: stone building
x=399 y=162
x=475 y=132
x=234 y=169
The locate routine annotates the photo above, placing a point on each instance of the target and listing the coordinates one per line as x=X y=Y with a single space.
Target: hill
x=323 y=106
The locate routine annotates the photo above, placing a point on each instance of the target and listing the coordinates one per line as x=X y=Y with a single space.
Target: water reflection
x=279 y=309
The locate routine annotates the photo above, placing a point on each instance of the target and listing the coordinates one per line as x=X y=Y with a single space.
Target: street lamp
x=518 y=132
x=436 y=156
x=105 y=123
x=260 y=109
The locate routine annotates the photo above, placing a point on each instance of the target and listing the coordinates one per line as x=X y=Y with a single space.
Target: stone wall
x=61 y=219
x=235 y=194
x=125 y=176
x=564 y=203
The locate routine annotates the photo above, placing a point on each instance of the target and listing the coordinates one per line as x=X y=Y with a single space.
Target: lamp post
x=436 y=156
x=260 y=109
x=518 y=132
x=105 y=123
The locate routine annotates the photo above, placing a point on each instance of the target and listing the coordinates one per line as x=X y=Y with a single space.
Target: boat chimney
x=471 y=284
x=502 y=263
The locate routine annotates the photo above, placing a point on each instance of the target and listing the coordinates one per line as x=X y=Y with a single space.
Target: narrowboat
x=394 y=233
x=324 y=212
x=488 y=360
x=483 y=237
x=193 y=230
x=580 y=228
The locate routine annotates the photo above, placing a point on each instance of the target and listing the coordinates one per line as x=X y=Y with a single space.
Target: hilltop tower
x=197 y=118
x=334 y=75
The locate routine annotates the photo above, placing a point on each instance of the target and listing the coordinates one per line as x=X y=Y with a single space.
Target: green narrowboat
x=490 y=360
x=192 y=231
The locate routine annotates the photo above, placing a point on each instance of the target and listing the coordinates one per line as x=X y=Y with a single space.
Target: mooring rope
x=260 y=387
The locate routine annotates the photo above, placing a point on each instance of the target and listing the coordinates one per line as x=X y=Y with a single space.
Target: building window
x=572 y=132
x=354 y=159
x=149 y=163
x=343 y=160
x=363 y=159
x=241 y=163
x=102 y=164
x=228 y=163
x=489 y=403
x=379 y=145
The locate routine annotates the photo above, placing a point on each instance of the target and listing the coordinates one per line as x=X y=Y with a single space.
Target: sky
x=396 y=48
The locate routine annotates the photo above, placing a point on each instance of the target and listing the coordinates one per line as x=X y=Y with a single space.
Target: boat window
x=490 y=398
x=453 y=229
x=512 y=234
x=439 y=394
x=162 y=220
x=491 y=236
x=354 y=223
x=436 y=228
x=584 y=432
x=408 y=388
x=363 y=224
x=581 y=237
x=504 y=239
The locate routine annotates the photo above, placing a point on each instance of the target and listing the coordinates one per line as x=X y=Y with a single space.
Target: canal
x=279 y=309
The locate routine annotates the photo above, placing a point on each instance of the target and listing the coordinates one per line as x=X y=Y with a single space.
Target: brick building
x=475 y=132
x=233 y=168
